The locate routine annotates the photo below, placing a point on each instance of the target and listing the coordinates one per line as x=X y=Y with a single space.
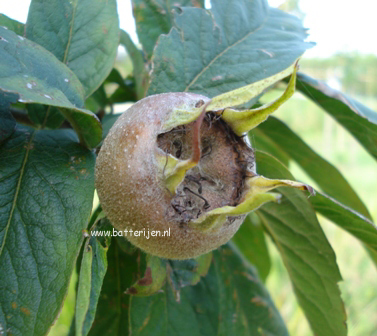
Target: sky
x=335 y=25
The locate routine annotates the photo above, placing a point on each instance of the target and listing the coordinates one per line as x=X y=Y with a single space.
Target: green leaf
x=230 y=300
x=92 y=271
x=35 y=74
x=139 y=70
x=250 y=240
x=86 y=125
x=7 y=122
x=13 y=25
x=183 y=273
x=306 y=253
x=38 y=77
x=358 y=119
x=123 y=94
x=84 y=35
x=47 y=188
x=155 y=17
x=245 y=42
x=180 y=273
x=97 y=101
x=263 y=143
x=346 y=218
x=113 y=304
x=115 y=77
x=332 y=182
x=46 y=116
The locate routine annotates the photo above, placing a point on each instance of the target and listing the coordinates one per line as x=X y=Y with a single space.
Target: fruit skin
x=130 y=185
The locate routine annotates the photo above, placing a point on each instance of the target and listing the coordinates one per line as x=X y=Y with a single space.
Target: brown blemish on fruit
x=200 y=103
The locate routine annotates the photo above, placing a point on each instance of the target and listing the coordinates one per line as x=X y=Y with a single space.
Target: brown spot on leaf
x=248 y=276
x=216 y=78
x=258 y=301
x=145 y=322
x=14 y=305
x=25 y=311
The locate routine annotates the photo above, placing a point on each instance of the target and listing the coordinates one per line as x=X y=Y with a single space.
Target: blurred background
x=345 y=57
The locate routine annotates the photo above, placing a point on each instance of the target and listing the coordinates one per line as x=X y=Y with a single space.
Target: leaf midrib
x=17 y=192
x=74 y=5
x=223 y=52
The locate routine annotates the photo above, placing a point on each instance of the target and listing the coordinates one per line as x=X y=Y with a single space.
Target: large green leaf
x=358 y=119
x=83 y=34
x=306 y=253
x=92 y=271
x=250 y=240
x=11 y=24
x=245 y=42
x=47 y=187
x=348 y=219
x=155 y=17
x=230 y=300
x=328 y=178
x=38 y=77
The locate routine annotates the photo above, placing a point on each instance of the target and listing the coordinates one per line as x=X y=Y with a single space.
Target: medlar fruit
x=176 y=162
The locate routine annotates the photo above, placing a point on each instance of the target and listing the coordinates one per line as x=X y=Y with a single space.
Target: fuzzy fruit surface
x=131 y=176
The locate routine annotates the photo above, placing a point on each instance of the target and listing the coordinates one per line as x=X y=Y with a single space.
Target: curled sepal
x=152 y=281
x=246 y=93
x=174 y=170
x=244 y=121
x=255 y=196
